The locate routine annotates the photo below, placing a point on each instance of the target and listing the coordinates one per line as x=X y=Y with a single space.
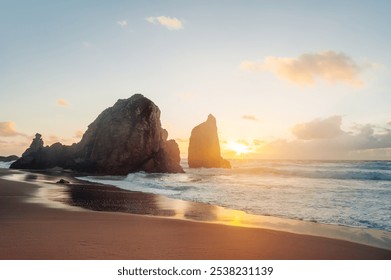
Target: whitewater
x=349 y=193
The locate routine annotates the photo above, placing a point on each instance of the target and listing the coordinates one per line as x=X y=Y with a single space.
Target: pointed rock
x=204 y=146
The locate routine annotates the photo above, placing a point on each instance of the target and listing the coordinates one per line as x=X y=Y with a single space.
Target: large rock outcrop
x=204 y=146
x=125 y=138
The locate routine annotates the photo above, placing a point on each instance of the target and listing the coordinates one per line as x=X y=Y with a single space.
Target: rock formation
x=204 y=146
x=125 y=138
x=39 y=157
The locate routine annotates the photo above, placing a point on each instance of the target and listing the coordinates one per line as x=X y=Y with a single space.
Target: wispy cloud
x=318 y=128
x=123 y=23
x=7 y=129
x=62 y=102
x=258 y=142
x=306 y=69
x=250 y=117
x=168 y=22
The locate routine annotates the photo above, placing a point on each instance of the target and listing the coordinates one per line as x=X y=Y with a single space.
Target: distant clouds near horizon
x=325 y=139
x=7 y=129
x=318 y=129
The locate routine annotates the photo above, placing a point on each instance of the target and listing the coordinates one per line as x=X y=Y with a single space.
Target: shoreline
x=172 y=238
x=84 y=195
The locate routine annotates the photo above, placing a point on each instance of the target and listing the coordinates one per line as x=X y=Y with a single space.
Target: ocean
x=5 y=164
x=349 y=193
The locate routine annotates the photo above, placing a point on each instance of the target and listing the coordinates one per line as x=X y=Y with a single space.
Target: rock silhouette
x=204 y=146
x=39 y=157
x=8 y=158
x=125 y=138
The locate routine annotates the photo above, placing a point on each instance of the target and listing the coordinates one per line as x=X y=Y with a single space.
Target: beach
x=32 y=230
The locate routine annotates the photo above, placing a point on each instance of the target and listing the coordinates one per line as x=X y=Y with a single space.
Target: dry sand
x=34 y=231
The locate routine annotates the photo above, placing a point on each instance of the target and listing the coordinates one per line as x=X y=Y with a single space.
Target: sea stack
x=125 y=138
x=204 y=146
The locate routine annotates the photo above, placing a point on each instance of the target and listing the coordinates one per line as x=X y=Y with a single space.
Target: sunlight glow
x=238 y=148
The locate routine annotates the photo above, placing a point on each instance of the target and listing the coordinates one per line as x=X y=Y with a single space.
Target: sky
x=284 y=79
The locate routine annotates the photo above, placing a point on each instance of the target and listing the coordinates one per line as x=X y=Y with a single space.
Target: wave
x=372 y=171
x=340 y=175
x=344 y=193
x=6 y=164
x=156 y=183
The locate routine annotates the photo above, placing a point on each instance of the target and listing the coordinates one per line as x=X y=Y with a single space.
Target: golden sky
x=302 y=80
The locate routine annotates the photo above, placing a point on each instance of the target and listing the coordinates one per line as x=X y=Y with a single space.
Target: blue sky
x=246 y=62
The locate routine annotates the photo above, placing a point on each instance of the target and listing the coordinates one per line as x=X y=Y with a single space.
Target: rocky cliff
x=125 y=138
x=204 y=146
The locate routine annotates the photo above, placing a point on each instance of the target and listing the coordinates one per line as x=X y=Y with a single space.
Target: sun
x=238 y=148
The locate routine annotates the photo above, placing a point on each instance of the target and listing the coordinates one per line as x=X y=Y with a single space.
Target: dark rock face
x=204 y=146
x=124 y=138
x=8 y=158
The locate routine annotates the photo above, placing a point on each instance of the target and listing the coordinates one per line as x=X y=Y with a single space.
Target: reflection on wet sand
x=99 y=197
x=187 y=210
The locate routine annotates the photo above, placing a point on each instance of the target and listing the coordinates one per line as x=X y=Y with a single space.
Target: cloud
x=242 y=141
x=63 y=103
x=318 y=129
x=7 y=129
x=122 y=23
x=13 y=147
x=169 y=22
x=52 y=138
x=250 y=117
x=369 y=136
x=306 y=69
x=363 y=142
x=258 y=142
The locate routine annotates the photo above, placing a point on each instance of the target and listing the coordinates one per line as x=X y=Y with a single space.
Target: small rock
x=62 y=181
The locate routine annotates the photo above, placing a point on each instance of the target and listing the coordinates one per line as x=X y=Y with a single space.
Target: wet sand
x=30 y=229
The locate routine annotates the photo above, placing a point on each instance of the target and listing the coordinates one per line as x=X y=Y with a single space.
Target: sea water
x=350 y=193
x=5 y=164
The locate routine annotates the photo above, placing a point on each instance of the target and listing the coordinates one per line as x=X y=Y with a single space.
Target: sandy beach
x=34 y=231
